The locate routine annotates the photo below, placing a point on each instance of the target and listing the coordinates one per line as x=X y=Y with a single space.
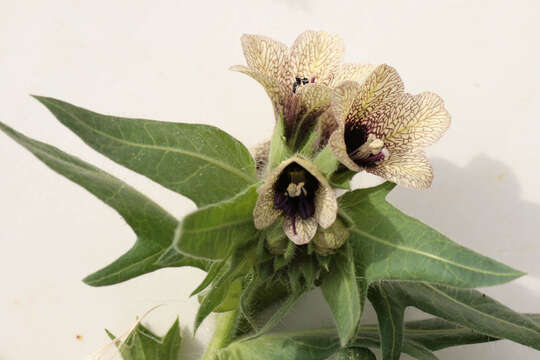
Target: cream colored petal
x=264 y=213
x=351 y=72
x=339 y=149
x=312 y=100
x=343 y=98
x=382 y=87
x=277 y=92
x=340 y=106
x=268 y=56
x=415 y=122
x=411 y=170
x=305 y=229
x=314 y=97
x=325 y=205
x=327 y=125
x=317 y=54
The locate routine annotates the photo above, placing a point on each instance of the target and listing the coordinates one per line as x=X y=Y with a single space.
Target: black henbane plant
x=270 y=227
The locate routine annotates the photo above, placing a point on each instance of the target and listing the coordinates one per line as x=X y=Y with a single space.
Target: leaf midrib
x=454 y=300
x=213 y=161
x=426 y=254
x=217 y=227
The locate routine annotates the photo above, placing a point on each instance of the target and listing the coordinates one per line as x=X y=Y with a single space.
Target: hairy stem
x=225 y=329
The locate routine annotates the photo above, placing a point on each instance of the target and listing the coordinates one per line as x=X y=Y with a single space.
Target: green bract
x=270 y=226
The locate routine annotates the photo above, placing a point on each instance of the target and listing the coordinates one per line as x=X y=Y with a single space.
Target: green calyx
x=327 y=241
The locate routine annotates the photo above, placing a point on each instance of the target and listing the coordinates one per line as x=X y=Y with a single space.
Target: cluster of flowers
x=360 y=112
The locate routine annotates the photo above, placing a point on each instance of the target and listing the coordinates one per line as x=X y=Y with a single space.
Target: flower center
x=301 y=81
x=295 y=193
x=363 y=147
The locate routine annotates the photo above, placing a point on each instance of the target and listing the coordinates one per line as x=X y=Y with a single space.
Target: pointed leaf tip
x=186 y=158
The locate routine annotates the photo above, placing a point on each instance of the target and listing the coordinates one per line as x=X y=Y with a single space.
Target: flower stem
x=225 y=328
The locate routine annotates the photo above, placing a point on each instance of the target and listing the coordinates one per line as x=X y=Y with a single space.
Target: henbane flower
x=299 y=79
x=298 y=191
x=382 y=130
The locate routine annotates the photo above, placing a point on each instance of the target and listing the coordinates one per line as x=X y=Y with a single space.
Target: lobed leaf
x=390 y=245
x=198 y=161
x=390 y=315
x=153 y=226
x=436 y=333
x=307 y=345
x=142 y=344
x=420 y=339
x=466 y=307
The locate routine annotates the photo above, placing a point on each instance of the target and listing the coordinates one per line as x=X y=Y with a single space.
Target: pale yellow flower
x=382 y=130
x=299 y=79
x=296 y=190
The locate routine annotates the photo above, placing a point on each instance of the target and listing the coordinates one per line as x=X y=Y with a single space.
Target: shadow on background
x=191 y=348
x=480 y=207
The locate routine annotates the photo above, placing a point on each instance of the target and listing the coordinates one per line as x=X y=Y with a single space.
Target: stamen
x=372 y=147
x=294 y=190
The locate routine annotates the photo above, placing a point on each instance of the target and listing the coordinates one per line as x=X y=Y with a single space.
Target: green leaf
x=142 y=344
x=420 y=338
x=436 y=334
x=469 y=308
x=311 y=144
x=153 y=226
x=170 y=256
x=223 y=287
x=214 y=271
x=309 y=345
x=391 y=245
x=341 y=292
x=198 y=161
x=279 y=150
x=341 y=179
x=213 y=232
x=281 y=311
x=256 y=298
x=390 y=314
x=285 y=301
x=232 y=299
x=356 y=354
x=326 y=162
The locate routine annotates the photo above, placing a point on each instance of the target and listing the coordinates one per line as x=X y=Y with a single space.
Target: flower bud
x=326 y=241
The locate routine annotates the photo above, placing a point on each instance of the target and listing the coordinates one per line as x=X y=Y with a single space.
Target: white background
x=168 y=60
